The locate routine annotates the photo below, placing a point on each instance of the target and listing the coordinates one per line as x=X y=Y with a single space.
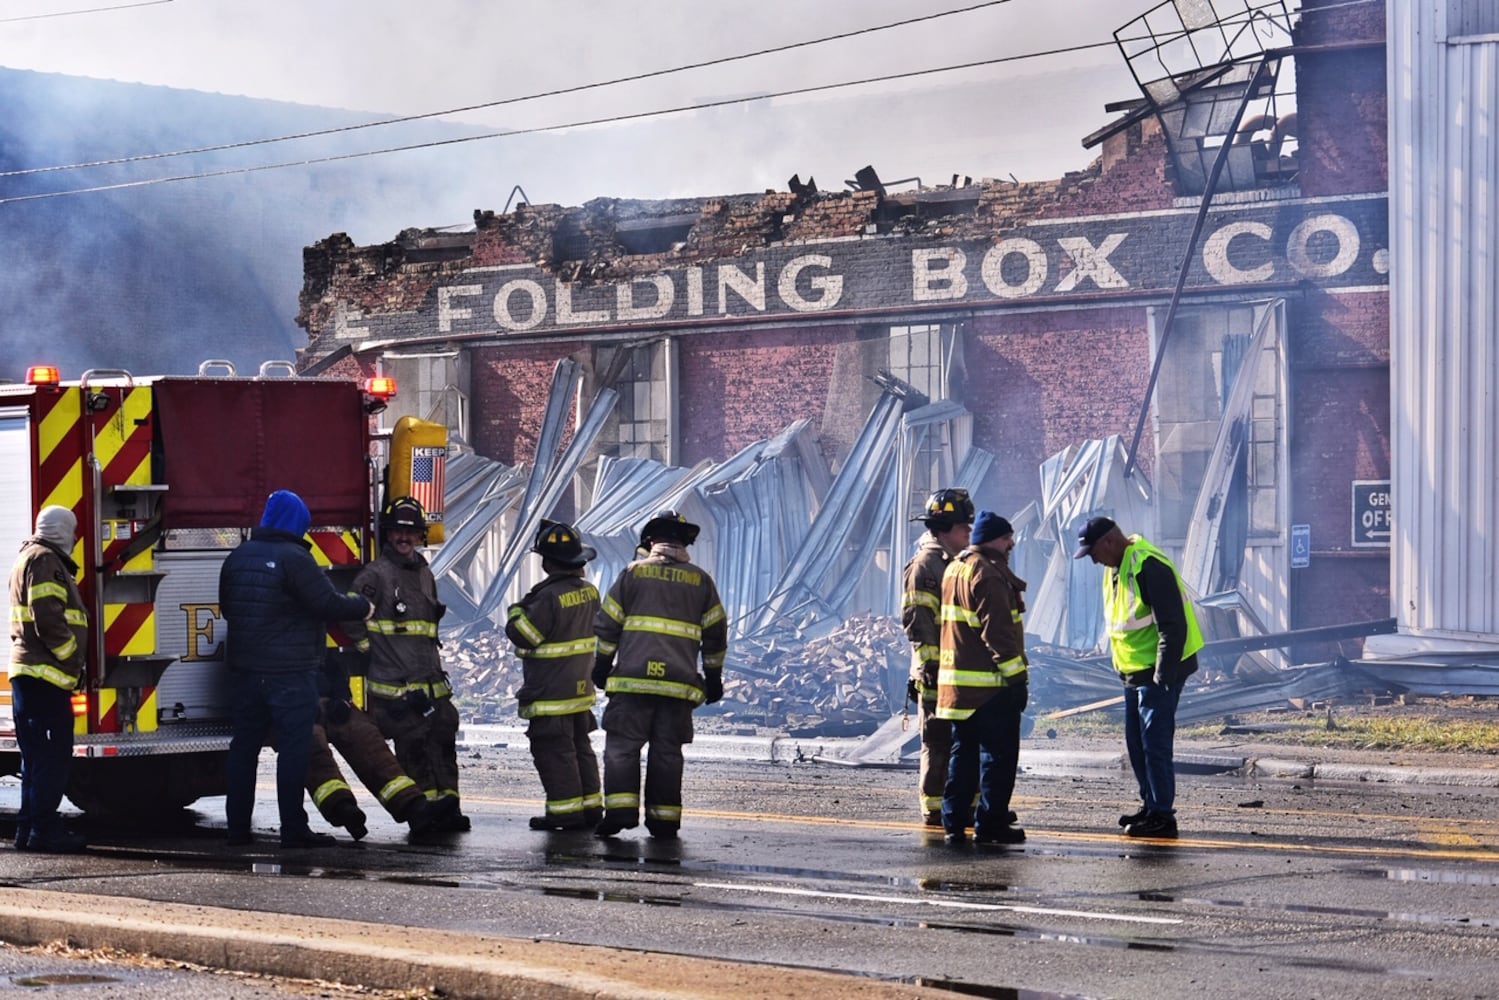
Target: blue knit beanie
x=285 y=511
x=989 y=526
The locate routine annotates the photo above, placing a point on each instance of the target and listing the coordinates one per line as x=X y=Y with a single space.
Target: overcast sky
x=395 y=57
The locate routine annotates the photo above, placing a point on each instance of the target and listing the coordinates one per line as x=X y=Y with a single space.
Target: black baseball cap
x=1090 y=533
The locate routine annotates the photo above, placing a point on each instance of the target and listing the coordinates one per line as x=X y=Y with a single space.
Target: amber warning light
x=43 y=375
x=381 y=387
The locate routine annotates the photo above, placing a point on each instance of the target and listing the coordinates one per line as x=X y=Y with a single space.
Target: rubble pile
x=849 y=678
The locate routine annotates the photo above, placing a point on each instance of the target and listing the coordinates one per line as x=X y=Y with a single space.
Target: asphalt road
x=1278 y=886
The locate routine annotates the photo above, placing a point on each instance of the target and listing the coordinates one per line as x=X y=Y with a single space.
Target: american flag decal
x=427 y=468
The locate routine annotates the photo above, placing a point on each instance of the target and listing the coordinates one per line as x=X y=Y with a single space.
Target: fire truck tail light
x=43 y=375
x=80 y=703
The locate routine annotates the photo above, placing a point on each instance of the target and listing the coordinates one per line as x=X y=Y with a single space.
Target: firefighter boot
x=347 y=814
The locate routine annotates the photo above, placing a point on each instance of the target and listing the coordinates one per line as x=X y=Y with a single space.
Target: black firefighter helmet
x=668 y=525
x=560 y=543
x=405 y=512
x=946 y=508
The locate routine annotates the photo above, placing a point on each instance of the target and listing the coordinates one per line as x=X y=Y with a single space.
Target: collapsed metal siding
x=1444 y=152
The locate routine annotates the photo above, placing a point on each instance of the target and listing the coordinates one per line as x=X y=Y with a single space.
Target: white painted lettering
x=937 y=274
x=565 y=313
x=750 y=289
x=1090 y=263
x=694 y=291
x=447 y=311
x=624 y=298
x=531 y=290
x=1216 y=261
x=828 y=286
x=343 y=322
x=1298 y=246
x=993 y=268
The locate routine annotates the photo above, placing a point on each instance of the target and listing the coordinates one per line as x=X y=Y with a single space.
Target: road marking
x=948 y=904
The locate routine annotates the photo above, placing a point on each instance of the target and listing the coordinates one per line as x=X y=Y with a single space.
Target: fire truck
x=166 y=475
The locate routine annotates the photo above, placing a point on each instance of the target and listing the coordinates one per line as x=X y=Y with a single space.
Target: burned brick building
x=1055 y=312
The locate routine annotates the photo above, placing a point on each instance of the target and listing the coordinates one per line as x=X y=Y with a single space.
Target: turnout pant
x=936 y=745
x=44 y=735
x=566 y=764
x=630 y=722
x=359 y=742
x=426 y=745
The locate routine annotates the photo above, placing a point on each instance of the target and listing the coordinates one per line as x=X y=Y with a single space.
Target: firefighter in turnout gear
x=358 y=740
x=982 y=685
x=552 y=629
x=660 y=615
x=409 y=694
x=48 y=639
x=948 y=517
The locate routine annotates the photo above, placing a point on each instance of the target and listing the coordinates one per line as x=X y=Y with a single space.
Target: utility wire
x=608 y=120
x=84 y=10
x=579 y=88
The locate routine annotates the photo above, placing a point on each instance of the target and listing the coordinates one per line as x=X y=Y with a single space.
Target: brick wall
x=1041 y=382
x=509 y=396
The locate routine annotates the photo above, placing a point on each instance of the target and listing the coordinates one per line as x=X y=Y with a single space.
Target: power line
x=608 y=120
x=560 y=92
x=84 y=10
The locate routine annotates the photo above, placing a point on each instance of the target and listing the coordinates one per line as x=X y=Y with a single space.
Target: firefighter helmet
x=671 y=526
x=405 y=512
x=946 y=508
x=562 y=544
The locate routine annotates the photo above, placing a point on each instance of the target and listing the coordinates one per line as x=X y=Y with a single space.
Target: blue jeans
x=289 y=702
x=985 y=754
x=1150 y=736
x=44 y=735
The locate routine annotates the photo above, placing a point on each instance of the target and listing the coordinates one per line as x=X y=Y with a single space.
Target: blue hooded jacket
x=275 y=598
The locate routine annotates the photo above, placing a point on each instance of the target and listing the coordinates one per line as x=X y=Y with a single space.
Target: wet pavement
x=1288 y=881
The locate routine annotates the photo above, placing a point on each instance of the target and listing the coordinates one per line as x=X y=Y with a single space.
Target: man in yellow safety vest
x=1154 y=639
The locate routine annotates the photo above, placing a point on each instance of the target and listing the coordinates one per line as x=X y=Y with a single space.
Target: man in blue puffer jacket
x=277 y=602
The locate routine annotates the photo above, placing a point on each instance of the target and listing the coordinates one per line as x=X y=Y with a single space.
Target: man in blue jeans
x=982 y=684
x=1154 y=639
x=277 y=602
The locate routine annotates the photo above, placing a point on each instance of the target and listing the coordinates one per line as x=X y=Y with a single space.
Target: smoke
x=156 y=279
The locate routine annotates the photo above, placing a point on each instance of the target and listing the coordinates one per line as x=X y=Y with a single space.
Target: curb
x=381 y=956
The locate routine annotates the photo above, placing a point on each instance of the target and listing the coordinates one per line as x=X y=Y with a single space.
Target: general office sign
x=1330 y=242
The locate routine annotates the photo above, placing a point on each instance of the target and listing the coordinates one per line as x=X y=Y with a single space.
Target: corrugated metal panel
x=1444 y=157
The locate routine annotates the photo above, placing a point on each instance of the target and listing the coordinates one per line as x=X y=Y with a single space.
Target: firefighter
x=358 y=740
x=982 y=685
x=48 y=640
x=552 y=629
x=948 y=516
x=660 y=615
x=410 y=696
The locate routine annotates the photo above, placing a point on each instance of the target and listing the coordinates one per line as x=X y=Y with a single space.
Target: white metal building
x=1444 y=318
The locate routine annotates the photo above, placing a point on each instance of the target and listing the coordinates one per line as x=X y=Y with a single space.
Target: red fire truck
x=166 y=475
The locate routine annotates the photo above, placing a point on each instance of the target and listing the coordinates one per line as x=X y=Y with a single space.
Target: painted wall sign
x=1331 y=243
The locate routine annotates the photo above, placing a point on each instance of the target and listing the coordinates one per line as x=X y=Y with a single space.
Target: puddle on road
x=990 y=992
x=600 y=896
x=63 y=979
x=1430 y=875
x=1327 y=911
